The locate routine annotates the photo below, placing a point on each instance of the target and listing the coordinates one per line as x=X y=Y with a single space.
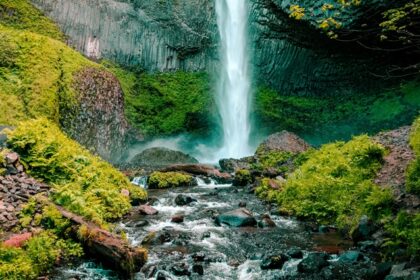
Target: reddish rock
x=284 y=141
x=17 y=240
x=200 y=169
x=177 y=219
x=147 y=210
x=11 y=158
x=125 y=192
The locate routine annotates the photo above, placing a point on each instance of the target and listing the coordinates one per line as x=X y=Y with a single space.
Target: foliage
x=38 y=255
x=333 y=185
x=274 y=161
x=243 y=177
x=404 y=231
x=265 y=190
x=20 y=14
x=413 y=172
x=37 y=76
x=166 y=103
x=82 y=183
x=353 y=114
x=163 y=180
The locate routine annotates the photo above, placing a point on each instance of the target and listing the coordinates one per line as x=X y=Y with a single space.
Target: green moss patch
x=413 y=172
x=82 y=183
x=166 y=103
x=164 y=180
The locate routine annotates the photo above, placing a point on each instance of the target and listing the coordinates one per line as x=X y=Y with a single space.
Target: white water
x=234 y=96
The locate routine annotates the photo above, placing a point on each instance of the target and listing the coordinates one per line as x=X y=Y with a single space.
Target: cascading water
x=234 y=96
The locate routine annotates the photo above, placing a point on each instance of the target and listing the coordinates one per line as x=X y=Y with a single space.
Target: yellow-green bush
x=243 y=177
x=82 y=183
x=38 y=255
x=163 y=180
x=334 y=185
x=413 y=172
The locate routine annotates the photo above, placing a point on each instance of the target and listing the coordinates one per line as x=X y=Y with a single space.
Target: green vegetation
x=166 y=103
x=243 y=177
x=20 y=14
x=357 y=113
x=36 y=76
x=164 y=180
x=413 y=172
x=273 y=162
x=334 y=185
x=82 y=183
x=37 y=256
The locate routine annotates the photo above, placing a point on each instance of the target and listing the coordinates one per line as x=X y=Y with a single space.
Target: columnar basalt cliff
x=157 y=35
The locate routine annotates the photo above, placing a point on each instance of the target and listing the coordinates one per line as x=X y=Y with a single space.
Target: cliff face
x=157 y=35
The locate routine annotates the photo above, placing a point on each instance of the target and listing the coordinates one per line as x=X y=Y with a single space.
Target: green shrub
x=413 y=172
x=277 y=161
x=166 y=103
x=243 y=177
x=334 y=185
x=265 y=191
x=38 y=255
x=82 y=183
x=163 y=180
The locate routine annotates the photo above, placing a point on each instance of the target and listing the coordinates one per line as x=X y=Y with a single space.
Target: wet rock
x=182 y=200
x=206 y=235
x=266 y=222
x=181 y=269
x=153 y=200
x=159 y=157
x=382 y=270
x=198 y=268
x=141 y=224
x=147 y=210
x=314 y=262
x=242 y=204
x=327 y=229
x=274 y=262
x=295 y=253
x=201 y=170
x=364 y=230
x=285 y=142
x=198 y=257
x=182 y=239
x=177 y=219
x=351 y=257
x=236 y=218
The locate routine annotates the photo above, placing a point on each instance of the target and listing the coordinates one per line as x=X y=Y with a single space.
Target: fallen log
x=200 y=169
x=109 y=248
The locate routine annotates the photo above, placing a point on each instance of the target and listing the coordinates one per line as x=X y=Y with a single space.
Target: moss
x=166 y=103
x=334 y=185
x=163 y=180
x=413 y=172
x=20 y=14
x=266 y=191
x=338 y=116
x=82 y=183
x=277 y=162
x=38 y=76
x=243 y=177
x=37 y=256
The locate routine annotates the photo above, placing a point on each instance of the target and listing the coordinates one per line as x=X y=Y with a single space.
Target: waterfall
x=234 y=95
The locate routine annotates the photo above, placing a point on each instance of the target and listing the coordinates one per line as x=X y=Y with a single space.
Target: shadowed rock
x=237 y=218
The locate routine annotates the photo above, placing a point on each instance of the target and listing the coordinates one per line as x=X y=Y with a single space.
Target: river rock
x=364 y=230
x=147 y=210
x=177 y=219
x=351 y=257
x=295 y=253
x=266 y=222
x=181 y=269
x=198 y=268
x=182 y=200
x=285 y=142
x=237 y=218
x=274 y=262
x=201 y=170
x=314 y=262
x=159 y=157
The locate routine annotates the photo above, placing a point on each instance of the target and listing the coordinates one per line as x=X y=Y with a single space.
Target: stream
x=199 y=249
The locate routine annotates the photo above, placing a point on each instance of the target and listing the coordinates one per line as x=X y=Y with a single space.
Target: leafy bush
x=277 y=161
x=82 y=183
x=163 y=180
x=334 y=184
x=37 y=256
x=265 y=190
x=166 y=103
x=243 y=177
x=413 y=172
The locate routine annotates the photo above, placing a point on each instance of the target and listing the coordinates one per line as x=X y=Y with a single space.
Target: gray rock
x=274 y=262
x=159 y=157
x=236 y=218
x=313 y=263
x=285 y=142
x=182 y=200
x=364 y=230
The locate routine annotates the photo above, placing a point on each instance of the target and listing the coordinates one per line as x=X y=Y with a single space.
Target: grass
x=82 y=183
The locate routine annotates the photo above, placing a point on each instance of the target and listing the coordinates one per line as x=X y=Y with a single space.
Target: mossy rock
x=243 y=177
x=164 y=180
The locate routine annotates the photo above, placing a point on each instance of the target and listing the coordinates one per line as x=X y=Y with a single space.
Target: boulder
x=313 y=263
x=198 y=268
x=364 y=230
x=177 y=219
x=200 y=170
x=285 y=142
x=274 y=262
x=160 y=157
x=237 y=218
x=351 y=257
x=181 y=269
x=295 y=253
x=231 y=165
x=182 y=200
x=147 y=210
x=266 y=222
